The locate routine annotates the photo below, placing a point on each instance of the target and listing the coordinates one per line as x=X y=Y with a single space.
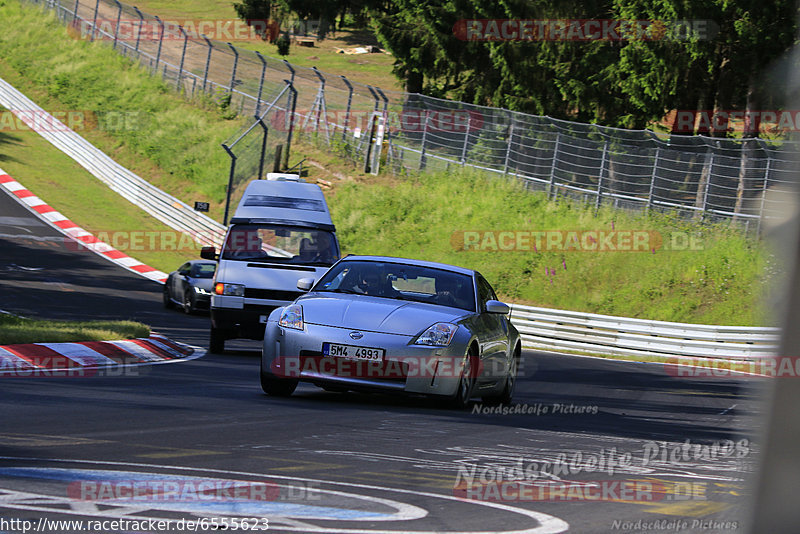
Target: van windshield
x=282 y=244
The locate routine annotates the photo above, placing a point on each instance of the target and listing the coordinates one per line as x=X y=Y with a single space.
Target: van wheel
x=216 y=341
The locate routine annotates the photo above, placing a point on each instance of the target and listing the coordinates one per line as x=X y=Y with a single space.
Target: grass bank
x=717 y=278
x=14 y=330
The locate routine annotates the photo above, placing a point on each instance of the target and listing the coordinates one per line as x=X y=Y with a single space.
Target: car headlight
x=438 y=335
x=292 y=317
x=231 y=290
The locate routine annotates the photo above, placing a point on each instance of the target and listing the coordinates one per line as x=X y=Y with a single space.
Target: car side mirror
x=304 y=284
x=495 y=306
x=209 y=253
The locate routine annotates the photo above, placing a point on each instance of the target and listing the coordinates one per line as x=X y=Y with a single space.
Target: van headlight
x=438 y=335
x=292 y=317
x=230 y=290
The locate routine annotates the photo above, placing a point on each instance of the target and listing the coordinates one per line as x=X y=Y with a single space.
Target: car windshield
x=258 y=242
x=203 y=270
x=402 y=282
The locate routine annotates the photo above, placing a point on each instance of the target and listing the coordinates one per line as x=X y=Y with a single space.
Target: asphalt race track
x=347 y=463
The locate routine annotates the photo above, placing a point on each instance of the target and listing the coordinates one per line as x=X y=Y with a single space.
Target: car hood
x=375 y=314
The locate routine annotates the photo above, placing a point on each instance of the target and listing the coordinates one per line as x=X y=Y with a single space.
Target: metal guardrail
x=166 y=208
x=545 y=328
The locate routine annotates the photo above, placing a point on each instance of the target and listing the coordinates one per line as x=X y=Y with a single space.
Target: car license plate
x=352 y=352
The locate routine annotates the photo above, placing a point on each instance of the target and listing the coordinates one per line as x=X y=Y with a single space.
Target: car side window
x=184 y=269
x=485 y=292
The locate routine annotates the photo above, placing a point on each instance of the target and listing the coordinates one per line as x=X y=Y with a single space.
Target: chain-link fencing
x=696 y=176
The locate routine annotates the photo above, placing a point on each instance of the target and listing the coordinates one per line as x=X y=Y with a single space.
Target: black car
x=190 y=286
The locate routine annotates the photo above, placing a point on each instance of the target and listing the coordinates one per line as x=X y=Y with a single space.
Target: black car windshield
x=203 y=270
x=282 y=244
x=402 y=282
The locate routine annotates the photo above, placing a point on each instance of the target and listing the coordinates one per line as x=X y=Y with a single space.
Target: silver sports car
x=392 y=324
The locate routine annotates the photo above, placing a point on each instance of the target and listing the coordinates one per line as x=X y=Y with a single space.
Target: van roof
x=283 y=202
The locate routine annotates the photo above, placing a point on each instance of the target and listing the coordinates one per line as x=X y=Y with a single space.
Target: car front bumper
x=405 y=367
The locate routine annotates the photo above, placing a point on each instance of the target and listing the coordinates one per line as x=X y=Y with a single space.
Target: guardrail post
x=183 y=58
x=235 y=64
x=94 y=20
x=230 y=183
x=261 y=82
x=508 y=148
x=161 y=30
x=349 y=104
x=116 y=28
x=551 y=185
x=600 y=179
x=208 y=61
x=139 y=31
x=653 y=181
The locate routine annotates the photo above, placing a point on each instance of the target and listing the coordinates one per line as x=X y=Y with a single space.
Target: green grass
x=69 y=188
x=14 y=330
x=721 y=282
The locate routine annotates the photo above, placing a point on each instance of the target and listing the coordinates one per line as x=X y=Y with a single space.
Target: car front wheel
x=277 y=387
x=188 y=301
x=465 y=383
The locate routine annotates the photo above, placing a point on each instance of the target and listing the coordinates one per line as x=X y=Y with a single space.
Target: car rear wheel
x=216 y=341
x=465 y=383
x=277 y=387
x=167 y=297
x=188 y=301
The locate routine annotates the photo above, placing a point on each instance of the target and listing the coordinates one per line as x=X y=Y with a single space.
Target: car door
x=493 y=336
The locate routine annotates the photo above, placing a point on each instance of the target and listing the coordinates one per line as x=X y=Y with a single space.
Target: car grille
x=271 y=294
x=389 y=371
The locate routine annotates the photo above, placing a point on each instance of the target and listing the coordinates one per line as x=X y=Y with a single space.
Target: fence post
x=551 y=185
x=466 y=141
x=94 y=20
x=600 y=179
x=321 y=108
x=260 y=83
x=235 y=64
x=293 y=97
x=161 y=30
x=183 y=57
x=139 y=31
x=230 y=183
x=263 y=149
x=291 y=70
x=349 y=104
x=116 y=28
x=701 y=200
x=75 y=11
x=653 y=181
x=763 y=196
x=422 y=160
x=208 y=61
x=508 y=148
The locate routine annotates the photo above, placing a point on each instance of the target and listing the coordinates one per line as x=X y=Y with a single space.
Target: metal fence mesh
x=697 y=176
